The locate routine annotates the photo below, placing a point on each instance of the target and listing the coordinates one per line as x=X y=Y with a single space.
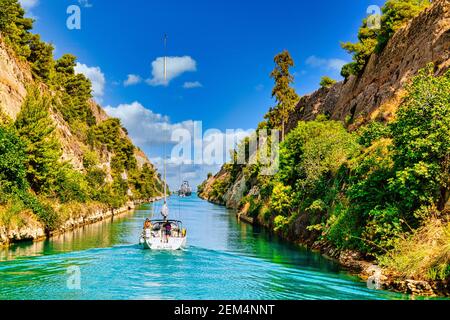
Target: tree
x=76 y=91
x=15 y=27
x=37 y=130
x=361 y=50
x=41 y=58
x=283 y=93
x=327 y=82
x=12 y=159
x=421 y=136
x=66 y=65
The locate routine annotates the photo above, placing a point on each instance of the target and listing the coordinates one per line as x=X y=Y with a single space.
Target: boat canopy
x=163 y=221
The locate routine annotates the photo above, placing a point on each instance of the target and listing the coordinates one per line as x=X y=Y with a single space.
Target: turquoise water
x=224 y=260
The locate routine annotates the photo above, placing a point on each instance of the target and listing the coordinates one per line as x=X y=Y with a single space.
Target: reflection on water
x=224 y=260
x=102 y=234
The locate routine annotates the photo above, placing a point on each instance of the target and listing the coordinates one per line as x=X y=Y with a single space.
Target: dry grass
x=13 y=216
x=423 y=256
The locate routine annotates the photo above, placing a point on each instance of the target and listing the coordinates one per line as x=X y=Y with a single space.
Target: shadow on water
x=224 y=259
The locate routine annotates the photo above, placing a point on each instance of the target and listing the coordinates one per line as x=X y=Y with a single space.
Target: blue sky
x=224 y=53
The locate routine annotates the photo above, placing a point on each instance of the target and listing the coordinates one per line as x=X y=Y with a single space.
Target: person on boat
x=147 y=228
x=147 y=224
x=165 y=210
x=167 y=227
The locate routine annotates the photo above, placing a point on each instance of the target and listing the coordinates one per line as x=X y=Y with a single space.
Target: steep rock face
x=14 y=76
x=378 y=91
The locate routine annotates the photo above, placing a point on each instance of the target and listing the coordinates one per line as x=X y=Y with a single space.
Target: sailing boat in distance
x=185 y=190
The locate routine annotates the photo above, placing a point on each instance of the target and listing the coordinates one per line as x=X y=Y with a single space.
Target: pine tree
x=15 y=27
x=37 y=131
x=284 y=94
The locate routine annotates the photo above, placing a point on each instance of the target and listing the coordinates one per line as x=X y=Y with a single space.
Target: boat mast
x=165 y=182
x=165 y=81
x=165 y=59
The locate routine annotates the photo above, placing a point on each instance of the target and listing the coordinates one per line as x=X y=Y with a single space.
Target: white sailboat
x=163 y=234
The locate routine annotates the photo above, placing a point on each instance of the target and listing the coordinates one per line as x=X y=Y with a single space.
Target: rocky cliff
x=15 y=78
x=378 y=90
x=375 y=94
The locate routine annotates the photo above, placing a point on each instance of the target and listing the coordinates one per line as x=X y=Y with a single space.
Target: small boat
x=185 y=190
x=161 y=237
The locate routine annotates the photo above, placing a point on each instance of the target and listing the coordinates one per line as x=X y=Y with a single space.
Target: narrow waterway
x=224 y=260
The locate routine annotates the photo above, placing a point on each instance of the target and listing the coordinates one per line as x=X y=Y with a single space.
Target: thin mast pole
x=165 y=182
x=165 y=59
x=165 y=81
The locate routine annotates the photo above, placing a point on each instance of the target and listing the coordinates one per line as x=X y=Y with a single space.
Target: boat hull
x=156 y=243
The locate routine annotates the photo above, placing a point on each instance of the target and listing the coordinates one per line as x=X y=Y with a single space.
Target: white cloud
x=176 y=66
x=328 y=64
x=150 y=130
x=132 y=79
x=192 y=85
x=145 y=127
x=97 y=78
x=28 y=4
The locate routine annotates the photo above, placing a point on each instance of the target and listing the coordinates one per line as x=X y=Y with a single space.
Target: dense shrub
x=12 y=159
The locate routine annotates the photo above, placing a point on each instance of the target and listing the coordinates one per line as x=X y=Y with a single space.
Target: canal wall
x=30 y=229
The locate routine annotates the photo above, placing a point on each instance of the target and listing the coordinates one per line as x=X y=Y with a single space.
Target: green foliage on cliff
x=75 y=92
x=375 y=190
x=15 y=27
x=12 y=159
x=374 y=35
x=33 y=177
x=326 y=82
x=37 y=131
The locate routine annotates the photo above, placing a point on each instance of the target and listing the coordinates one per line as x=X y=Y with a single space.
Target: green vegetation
x=284 y=94
x=375 y=190
x=74 y=93
x=28 y=46
x=33 y=178
x=395 y=13
x=327 y=82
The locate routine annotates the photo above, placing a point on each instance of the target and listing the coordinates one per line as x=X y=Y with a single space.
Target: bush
x=280 y=223
x=372 y=132
x=421 y=138
x=281 y=200
x=343 y=228
x=12 y=159
x=43 y=210
x=327 y=82
x=71 y=185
